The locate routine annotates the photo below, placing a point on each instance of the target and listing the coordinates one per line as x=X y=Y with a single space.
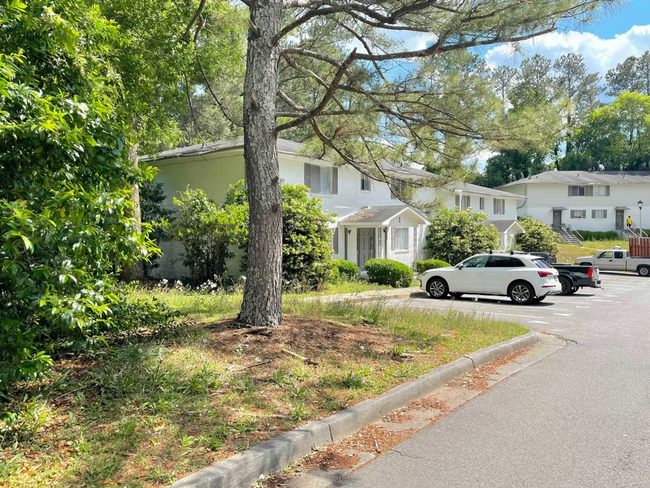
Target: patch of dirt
x=478 y=379
x=329 y=459
x=374 y=439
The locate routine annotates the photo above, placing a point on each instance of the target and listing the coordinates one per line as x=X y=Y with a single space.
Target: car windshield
x=540 y=263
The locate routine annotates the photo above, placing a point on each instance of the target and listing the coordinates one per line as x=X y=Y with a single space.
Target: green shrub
x=335 y=275
x=539 y=237
x=589 y=235
x=455 y=235
x=306 y=252
x=347 y=269
x=389 y=272
x=422 y=266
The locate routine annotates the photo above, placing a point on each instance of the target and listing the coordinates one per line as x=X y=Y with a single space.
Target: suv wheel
x=521 y=293
x=437 y=288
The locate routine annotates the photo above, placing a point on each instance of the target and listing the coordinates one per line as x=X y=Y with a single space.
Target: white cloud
x=600 y=54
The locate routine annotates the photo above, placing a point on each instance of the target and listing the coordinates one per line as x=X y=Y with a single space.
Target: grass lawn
x=568 y=252
x=146 y=413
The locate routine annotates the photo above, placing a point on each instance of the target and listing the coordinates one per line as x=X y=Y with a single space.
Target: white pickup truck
x=617 y=260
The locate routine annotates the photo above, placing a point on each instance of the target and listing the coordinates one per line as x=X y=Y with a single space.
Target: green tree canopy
x=615 y=137
x=65 y=188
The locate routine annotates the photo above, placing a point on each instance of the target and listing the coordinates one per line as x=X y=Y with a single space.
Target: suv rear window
x=540 y=263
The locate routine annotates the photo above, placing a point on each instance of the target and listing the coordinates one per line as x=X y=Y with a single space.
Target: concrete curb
x=245 y=468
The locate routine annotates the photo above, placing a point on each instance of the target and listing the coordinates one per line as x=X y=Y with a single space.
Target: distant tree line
x=587 y=134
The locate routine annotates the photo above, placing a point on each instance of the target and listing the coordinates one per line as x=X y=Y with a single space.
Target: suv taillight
x=544 y=274
x=591 y=272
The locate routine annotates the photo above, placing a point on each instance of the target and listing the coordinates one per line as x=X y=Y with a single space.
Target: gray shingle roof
x=501 y=225
x=584 y=177
x=290 y=147
x=377 y=214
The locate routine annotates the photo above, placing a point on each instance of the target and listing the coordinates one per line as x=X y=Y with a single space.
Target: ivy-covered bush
x=539 y=237
x=347 y=269
x=389 y=272
x=65 y=185
x=207 y=231
x=589 y=235
x=306 y=253
x=422 y=266
x=455 y=235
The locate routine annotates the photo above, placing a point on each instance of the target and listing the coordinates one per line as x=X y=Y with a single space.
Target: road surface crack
x=403 y=454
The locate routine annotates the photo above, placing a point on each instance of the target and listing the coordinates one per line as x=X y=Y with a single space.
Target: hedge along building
x=585 y=200
x=370 y=220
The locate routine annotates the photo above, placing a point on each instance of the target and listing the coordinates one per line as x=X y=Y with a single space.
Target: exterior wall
x=214 y=173
x=448 y=199
x=543 y=197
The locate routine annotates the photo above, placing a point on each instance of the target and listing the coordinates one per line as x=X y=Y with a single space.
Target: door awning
x=621 y=208
x=559 y=208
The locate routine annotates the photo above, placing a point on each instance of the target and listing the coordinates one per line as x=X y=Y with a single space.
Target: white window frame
x=601 y=191
x=400 y=239
x=462 y=202
x=397 y=186
x=366 y=183
x=595 y=214
x=582 y=215
x=499 y=206
x=317 y=176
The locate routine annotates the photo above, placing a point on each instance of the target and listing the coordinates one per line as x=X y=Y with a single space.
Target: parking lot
x=622 y=293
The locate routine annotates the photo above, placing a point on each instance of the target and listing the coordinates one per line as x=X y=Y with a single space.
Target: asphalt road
x=579 y=418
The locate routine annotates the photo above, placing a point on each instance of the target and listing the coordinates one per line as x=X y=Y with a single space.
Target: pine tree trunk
x=262 y=305
x=135 y=271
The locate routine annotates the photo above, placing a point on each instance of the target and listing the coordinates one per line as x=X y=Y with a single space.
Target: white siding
x=543 y=197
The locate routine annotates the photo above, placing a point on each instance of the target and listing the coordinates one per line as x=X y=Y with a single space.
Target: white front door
x=469 y=278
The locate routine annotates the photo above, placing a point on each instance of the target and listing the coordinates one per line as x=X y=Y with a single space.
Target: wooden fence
x=640 y=247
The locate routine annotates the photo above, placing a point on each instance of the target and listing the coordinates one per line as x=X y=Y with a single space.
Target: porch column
x=345 y=242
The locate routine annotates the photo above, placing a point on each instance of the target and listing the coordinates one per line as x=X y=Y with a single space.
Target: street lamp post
x=640 y=204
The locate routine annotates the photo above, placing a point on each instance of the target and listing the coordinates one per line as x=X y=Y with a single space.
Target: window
x=618 y=254
x=599 y=214
x=476 y=262
x=465 y=202
x=588 y=190
x=335 y=241
x=400 y=239
x=366 y=183
x=601 y=190
x=606 y=255
x=540 y=263
x=322 y=179
x=481 y=203
x=499 y=206
x=578 y=214
x=504 y=262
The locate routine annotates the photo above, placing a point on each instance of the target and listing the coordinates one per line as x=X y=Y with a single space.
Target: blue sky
x=603 y=44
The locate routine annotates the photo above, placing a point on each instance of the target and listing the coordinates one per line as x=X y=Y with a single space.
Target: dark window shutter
x=335 y=184
x=607 y=190
x=335 y=241
x=308 y=175
x=570 y=188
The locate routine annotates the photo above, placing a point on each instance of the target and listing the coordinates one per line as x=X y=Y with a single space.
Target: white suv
x=522 y=277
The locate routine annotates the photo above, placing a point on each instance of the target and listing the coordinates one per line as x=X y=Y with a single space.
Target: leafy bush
x=306 y=253
x=347 y=269
x=589 y=235
x=207 y=231
x=152 y=197
x=65 y=190
x=455 y=235
x=389 y=272
x=538 y=237
x=422 y=266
